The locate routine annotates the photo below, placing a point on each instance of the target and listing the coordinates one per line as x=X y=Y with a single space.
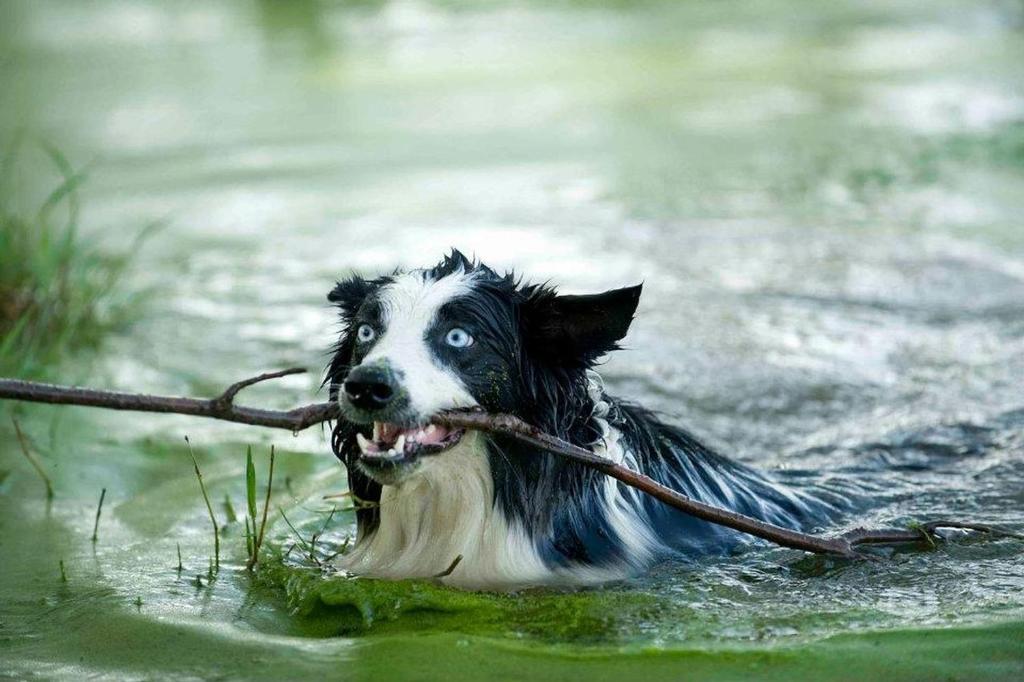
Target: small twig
x=209 y=507
x=32 y=460
x=180 y=567
x=63 y=574
x=225 y=400
x=99 y=510
x=451 y=568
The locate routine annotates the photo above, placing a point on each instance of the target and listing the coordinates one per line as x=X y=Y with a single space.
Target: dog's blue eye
x=458 y=338
x=365 y=333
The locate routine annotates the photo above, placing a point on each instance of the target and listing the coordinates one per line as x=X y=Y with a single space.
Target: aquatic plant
x=254 y=538
x=57 y=293
x=36 y=464
x=209 y=508
x=99 y=510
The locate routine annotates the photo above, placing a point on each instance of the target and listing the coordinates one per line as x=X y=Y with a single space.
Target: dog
x=460 y=335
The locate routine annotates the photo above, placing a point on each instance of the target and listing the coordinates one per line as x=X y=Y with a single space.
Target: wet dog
x=460 y=335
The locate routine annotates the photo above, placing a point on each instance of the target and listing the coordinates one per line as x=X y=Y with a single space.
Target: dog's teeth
x=400 y=444
x=377 y=431
x=364 y=444
x=430 y=429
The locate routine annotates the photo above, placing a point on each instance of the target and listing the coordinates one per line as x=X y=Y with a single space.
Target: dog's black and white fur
x=460 y=335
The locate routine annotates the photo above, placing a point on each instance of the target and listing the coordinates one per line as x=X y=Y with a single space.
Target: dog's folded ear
x=579 y=329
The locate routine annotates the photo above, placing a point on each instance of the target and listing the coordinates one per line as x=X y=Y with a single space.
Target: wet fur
x=521 y=517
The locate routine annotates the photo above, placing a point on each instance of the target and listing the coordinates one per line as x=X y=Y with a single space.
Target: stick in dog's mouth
x=391 y=442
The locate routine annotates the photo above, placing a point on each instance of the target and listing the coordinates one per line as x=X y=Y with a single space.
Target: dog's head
x=459 y=335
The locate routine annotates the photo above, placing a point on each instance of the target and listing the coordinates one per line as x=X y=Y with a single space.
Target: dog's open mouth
x=393 y=444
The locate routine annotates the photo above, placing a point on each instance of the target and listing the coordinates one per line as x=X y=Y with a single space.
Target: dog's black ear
x=576 y=330
x=349 y=294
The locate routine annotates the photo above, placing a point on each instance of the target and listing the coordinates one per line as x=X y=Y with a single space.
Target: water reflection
x=300 y=24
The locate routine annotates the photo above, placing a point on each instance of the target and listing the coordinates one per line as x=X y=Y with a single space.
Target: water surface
x=822 y=199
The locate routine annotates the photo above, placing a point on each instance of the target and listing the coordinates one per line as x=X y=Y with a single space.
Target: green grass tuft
x=57 y=294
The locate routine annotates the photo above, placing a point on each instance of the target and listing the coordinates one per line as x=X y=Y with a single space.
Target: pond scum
x=57 y=293
x=337 y=604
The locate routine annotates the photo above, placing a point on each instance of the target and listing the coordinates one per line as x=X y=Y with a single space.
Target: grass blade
x=99 y=510
x=263 y=523
x=250 y=485
x=229 y=509
x=249 y=546
x=209 y=507
x=32 y=460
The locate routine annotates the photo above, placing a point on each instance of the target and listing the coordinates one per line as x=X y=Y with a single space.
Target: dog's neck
x=444 y=511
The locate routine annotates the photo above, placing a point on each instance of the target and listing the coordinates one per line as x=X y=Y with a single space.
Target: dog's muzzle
x=390 y=437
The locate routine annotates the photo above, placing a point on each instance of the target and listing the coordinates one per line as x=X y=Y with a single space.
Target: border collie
x=460 y=335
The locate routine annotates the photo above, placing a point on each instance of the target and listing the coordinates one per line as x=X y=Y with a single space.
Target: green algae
x=339 y=604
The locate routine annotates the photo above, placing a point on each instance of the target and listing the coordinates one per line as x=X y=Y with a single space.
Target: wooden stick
x=297 y=419
x=843 y=545
x=222 y=407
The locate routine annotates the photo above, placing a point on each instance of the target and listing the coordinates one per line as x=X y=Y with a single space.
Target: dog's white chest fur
x=444 y=511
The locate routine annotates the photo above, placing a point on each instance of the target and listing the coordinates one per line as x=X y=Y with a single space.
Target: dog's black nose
x=370 y=388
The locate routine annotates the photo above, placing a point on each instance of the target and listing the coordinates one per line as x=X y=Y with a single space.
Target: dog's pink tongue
x=432 y=435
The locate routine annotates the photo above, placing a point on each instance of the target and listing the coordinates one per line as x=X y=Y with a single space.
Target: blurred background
x=823 y=200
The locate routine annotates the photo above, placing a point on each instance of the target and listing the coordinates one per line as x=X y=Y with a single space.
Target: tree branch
x=221 y=407
x=843 y=545
x=224 y=408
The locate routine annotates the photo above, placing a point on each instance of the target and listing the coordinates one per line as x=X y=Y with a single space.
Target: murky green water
x=824 y=200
